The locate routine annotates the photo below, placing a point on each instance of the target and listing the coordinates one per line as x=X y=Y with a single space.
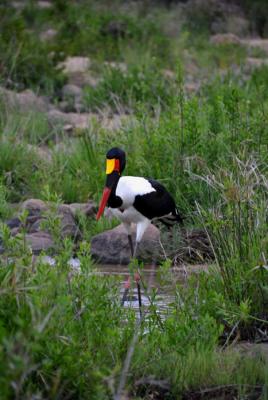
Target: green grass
x=185 y=134
x=83 y=29
x=50 y=322
x=97 y=31
x=25 y=60
x=138 y=85
x=65 y=335
x=192 y=135
x=21 y=170
x=215 y=369
x=31 y=127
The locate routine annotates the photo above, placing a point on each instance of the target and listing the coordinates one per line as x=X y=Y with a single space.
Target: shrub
x=140 y=84
x=257 y=12
x=20 y=170
x=236 y=226
x=25 y=60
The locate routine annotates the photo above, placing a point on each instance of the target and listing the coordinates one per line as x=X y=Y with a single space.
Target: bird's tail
x=174 y=218
x=178 y=216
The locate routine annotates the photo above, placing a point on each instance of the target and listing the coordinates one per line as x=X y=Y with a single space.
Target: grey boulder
x=39 y=241
x=112 y=247
x=24 y=102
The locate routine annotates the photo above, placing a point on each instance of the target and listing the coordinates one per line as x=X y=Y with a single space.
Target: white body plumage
x=127 y=189
x=134 y=199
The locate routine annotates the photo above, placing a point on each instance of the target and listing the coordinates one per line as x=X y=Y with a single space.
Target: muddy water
x=151 y=284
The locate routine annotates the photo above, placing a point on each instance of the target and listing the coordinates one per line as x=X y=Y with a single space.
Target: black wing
x=157 y=204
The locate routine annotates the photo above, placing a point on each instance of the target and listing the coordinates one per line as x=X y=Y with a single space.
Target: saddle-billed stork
x=135 y=199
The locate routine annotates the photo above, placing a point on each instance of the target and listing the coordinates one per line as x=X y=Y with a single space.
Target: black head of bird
x=115 y=165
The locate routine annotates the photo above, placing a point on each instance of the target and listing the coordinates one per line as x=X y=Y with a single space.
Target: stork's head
x=115 y=161
x=115 y=165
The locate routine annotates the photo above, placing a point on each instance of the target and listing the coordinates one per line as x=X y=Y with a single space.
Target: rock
x=43 y=153
x=254 y=62
x=47 y=35
x=24 y=102
x=261 y=44
x=191 y=87
x=39 y=241
x=71 y=91
x=18 y=5
x=167 y=73
x=72 y=99
x=77 y=71
x=225 y=38
x=44 y=4
x=89 y=209
x=37 y=236
x=77 y=121
x=112 y=247
x=75 y=65
x=13 y=223
x=72 y=121
x=34 y=206
x=65 y=106
x=253 y=349
x=192 y=70
x=111 y=121
x=36 y=226
x=68 y=223
x=83 y=79
x=37 y=208
x=72 y=106
x=15 y=231
x=115 y=122
x=68 y=128
x=79 y=107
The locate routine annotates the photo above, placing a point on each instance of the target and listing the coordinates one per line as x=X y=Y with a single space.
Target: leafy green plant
x=257 y=12
x=139 y=84
x=4 y=209
x=63 y=332
x=49 y=314
x=25 y=60
x=236 y=226
x=29 y=127
x=20 y=170
x=79 y=175
x=88 y=28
